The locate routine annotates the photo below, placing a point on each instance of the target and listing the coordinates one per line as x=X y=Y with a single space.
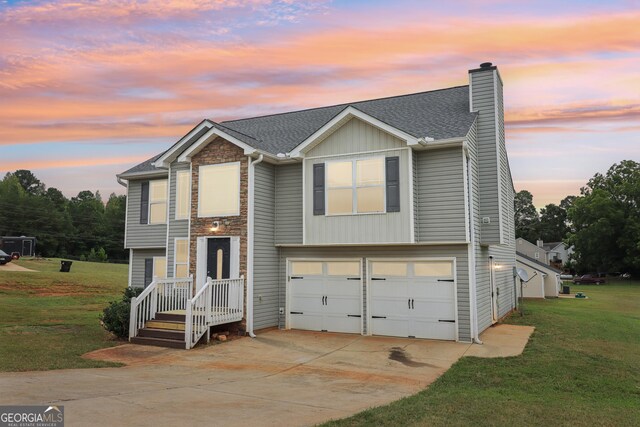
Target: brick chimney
x=485 y=98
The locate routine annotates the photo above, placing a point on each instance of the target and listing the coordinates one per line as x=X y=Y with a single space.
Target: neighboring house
x=535 y=251
x=558 y=253
x=391 y=216
x=544 y=280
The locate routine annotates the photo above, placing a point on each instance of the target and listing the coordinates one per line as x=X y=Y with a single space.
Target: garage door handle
x=297 y=277
x=447 y=321
x=378 y=278
x=353 y=315
x=445 y=280
x=296 y=312
x=378 y=317
x=353 y=278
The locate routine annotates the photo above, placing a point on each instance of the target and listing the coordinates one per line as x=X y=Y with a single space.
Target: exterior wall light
x=215 y=225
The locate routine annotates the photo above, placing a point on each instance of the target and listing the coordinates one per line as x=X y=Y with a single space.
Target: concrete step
x=161 y=333
x=174 y=317
x=158 y=342
x=171 y=325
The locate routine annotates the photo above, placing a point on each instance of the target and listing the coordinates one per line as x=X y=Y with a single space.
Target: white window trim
x=354 y=187
x=166 y=202
x=175 y=262
x=188 y=174
x=215 y=215
x=155 y=260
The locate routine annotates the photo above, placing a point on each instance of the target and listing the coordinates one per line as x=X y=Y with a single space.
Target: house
x=391 y=216
x=558 y=253
x=544 y=279
x=537 y=251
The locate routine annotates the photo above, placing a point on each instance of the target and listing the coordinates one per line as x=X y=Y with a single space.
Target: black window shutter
x=148 y=271
x=392 y=172
x=144 y=203
x=318 y=189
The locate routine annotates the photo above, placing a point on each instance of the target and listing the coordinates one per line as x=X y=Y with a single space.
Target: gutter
x=250 y=243
x=121 y=182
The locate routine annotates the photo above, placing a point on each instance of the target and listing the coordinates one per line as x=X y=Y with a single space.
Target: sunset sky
x=89 y=89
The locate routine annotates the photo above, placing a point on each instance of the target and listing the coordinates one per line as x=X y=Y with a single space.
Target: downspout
x=475 y=336
x=250 y=243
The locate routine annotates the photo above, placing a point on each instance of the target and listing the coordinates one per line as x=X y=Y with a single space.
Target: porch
x=168 y=314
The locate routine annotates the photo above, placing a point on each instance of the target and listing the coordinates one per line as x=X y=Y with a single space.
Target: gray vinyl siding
x=355 y=136
x=392 y=227
x=178 y=228
x=265 y=255
x=288 y=204
x=416 y=209
x=460 y=252
x=441 y=212
x=137 y=264
x=483 y=100
x=141 y=235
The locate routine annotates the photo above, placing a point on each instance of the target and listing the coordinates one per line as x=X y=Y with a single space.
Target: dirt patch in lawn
x=14 y=267
x=55 y=290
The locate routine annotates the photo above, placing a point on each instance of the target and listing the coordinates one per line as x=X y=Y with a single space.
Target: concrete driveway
x=280 y=378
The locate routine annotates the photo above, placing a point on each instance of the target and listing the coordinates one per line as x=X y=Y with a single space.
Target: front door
x=218 y=258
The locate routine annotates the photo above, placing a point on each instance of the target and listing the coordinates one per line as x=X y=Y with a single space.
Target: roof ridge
x=340 y=105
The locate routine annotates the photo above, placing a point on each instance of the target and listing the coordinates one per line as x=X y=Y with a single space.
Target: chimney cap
x=486 y=65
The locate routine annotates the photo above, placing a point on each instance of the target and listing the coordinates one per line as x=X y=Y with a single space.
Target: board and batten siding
x=483 y=100
x=288 y=204
x=141 y=235
x=178 y=228
x=137 y=264
x=459 y=252
x=440 y=182
x=391 y=227
x=355 y=136
x=265 y=253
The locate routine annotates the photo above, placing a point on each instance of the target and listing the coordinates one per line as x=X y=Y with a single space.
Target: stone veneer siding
x=216 y=152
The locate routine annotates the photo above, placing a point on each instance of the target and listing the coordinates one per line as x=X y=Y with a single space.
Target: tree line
x=82 y=227
x=602 y=223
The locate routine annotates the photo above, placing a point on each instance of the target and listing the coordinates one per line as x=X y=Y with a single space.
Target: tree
x=526 y=216
x=114 y=222
x=29 y=182
x=606 y=220
x=553 y=223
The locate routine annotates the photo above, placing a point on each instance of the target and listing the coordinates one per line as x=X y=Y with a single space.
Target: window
x=343 y=268
x=181 y=256
x=356 y=186
x=158 y=201
x=183 y=194
x=159 y=267
x=389 y=269
x=303 y=268
x=537 y=255
x=219 y=190
x=433 y=269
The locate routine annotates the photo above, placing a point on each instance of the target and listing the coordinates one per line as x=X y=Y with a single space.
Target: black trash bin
x=565 y=289
x=65 y=266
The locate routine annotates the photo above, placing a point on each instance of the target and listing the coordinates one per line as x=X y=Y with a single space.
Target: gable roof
x=437 y=114
x=538 y=264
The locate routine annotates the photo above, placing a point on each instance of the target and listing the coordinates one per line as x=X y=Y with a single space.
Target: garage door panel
x=307 y=321
x=390 y=307
x=342 y=323
x=433 y=310
x=422 y=328
x=393 y=327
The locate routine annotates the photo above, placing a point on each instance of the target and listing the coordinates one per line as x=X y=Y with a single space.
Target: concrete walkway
x=280 y=378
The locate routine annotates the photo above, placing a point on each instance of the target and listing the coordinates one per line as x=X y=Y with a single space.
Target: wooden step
x=161 y=333
x=158 y=342
x=165 y=324
x=175 y=317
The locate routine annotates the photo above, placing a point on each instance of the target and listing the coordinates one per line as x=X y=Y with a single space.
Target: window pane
x=339 y=174
x=433 y=268
x=219 y=263
x=160 y=267
x=340 y=201
x=389 y=269
x=219 y=190
x=181 y=251
x=182 y=270
x=158 y=213
x=340 y=268
x=158 y=190
x=306 y=268
x=370 y=172
x=370 y=199
x=182 y=194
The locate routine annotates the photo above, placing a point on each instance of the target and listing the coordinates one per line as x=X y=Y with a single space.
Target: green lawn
x=49 y=319
x=581 y=367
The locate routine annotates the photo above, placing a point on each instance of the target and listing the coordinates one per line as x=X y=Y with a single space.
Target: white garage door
x=325 y=296
x=412 y=299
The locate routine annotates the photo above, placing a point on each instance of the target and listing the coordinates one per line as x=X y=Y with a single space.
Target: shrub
x=115 y=317
x=97 y=256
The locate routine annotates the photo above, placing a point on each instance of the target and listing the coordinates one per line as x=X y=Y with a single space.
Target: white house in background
x=558 y=253
x=534 y=251
x=544 y=280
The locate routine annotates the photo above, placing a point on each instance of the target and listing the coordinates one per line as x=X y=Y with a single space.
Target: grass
x=49 y=319
x=581 y=367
